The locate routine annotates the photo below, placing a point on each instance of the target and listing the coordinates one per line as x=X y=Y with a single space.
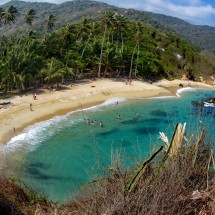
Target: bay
x=58 y=156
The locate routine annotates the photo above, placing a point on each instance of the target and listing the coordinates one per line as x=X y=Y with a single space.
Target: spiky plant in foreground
x=178 y=180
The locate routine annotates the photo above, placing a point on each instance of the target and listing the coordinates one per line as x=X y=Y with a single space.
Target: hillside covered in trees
x=73 y=11
x=113 y=46
x=109 y=45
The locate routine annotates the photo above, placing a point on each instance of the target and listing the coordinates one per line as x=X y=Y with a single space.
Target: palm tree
x=120 y=23
x=108 y=57
x=29 y=16
x=10 y=15
x=55 y=71
x=52 y=45
x=50 y=22
x=107 y=21
x=1 y=15
x=91 y=31
x=67 y=33
x=83 y=26
x=29 y=37
x=138 y=32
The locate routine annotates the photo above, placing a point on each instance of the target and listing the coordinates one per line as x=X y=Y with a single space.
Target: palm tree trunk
x=117 y=41
x=85 y=46
x=132 y=59
x=100 y=62
x=138 y=53
x=122 y=42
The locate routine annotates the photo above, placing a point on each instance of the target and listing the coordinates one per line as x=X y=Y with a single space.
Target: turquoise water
x=58 y=156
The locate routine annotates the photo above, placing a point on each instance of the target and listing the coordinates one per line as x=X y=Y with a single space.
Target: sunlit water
x=59 y=155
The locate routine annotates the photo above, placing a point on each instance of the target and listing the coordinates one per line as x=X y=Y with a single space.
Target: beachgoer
x=92 y=123
x=126 y=80
x=119 y=116
x=101 y=124
x=117 y=103
x=189 y=83
x=95 y=122
x=14 y=130
x=129 y=81
x=88 y=122
x=30 y=106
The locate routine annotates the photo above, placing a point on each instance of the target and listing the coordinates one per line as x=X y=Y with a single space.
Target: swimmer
x=88 y=122
x=119 y=116
x=101 y=124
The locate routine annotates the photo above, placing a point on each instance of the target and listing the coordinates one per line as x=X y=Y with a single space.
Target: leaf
x=133 y=180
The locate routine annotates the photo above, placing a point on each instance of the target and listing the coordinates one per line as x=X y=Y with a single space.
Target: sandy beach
x=82 y=94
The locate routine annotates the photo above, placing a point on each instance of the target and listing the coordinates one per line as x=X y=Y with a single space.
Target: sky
x=198 y=12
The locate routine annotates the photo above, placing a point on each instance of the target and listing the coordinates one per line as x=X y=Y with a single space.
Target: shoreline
x=83 y=94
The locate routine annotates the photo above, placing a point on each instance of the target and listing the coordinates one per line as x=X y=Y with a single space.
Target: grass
x=166 y=183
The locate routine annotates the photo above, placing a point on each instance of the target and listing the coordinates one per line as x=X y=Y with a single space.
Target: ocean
x=58 y=156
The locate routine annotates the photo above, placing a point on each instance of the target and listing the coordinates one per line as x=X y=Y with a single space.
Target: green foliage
x=110 y=47
x=56 y=16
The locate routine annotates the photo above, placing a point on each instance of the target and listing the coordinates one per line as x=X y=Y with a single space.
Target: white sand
x=83 y=94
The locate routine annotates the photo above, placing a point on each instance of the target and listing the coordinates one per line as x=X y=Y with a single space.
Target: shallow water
x=59 y=155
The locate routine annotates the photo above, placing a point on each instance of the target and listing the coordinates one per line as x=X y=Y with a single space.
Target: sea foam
x=37 y=133
x=113 y=101
x=180 y=91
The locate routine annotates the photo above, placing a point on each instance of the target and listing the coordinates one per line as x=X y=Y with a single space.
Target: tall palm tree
x=107 y=21
x=91 y=31
x=30 y=16
x=67 y=32
x=83 y=26
x=138 y=32
x=120 y=24
x=50 y=22
x=9 y=16
x=1 y=15
x=29 y=37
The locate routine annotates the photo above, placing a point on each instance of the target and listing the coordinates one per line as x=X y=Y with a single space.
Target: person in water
x=119 y=117
x=88 y=122
x=101 y=124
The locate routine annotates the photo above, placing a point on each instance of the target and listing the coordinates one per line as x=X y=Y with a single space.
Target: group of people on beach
x=128 y=80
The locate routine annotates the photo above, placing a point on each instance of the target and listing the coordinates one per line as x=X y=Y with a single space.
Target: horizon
x=196 y=12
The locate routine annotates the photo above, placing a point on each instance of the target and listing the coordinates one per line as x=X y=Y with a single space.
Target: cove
x=56 y=157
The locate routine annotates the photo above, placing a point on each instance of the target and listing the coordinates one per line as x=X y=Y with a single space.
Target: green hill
x=70 y=12
x=88 y=41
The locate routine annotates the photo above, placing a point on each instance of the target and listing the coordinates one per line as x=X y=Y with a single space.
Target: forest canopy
x=110 y=47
